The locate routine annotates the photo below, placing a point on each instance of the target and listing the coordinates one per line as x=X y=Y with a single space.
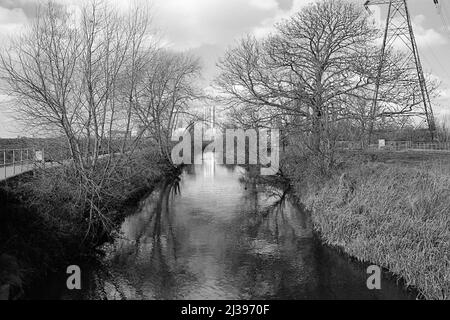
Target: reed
x=395 y=216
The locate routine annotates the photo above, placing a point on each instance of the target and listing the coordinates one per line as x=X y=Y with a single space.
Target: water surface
x=214 y=235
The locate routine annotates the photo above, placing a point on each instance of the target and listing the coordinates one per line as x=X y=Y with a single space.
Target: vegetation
x=44 y=223
x=98 y=81
x=314 y=78
x=384 y=208
x=106 y=95
x=394 y=217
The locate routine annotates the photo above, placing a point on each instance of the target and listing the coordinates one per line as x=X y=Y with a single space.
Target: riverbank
x=388 y=212
x=42 y=229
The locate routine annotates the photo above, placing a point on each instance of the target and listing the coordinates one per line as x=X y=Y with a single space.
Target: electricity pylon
x=399 y=30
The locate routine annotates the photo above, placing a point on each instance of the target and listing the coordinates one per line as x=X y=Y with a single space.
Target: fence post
x=4 y=161
x=33 y=161
x=14 y=162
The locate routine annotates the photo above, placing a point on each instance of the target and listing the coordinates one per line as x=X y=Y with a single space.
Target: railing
x=415 y=146
x=431 y=146
x=17 y=161
x=395 y=146
x=349 y=145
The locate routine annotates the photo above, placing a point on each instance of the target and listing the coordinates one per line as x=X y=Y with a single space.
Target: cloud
x=12 y=16
x=207 y=27
x=427 y=37
x=264 y=4
x=192 y=23
x=184 y=23
x=28 y=7
x=11 y=21
x=267 y=26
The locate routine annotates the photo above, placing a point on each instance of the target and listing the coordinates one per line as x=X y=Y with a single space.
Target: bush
x=44 y=217
x=64 y=198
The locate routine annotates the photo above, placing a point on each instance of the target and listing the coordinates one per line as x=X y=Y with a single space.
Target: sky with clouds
x=207 y=27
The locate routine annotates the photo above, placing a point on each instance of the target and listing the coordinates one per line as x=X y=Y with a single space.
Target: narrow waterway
x=214 y=235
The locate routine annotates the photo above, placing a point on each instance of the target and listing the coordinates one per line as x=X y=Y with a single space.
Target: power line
x=435 y=58
x=442 y=11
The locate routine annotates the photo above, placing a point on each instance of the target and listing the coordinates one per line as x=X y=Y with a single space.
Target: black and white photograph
x=224 y=158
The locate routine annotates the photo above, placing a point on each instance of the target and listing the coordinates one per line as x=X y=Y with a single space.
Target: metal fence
x=443 y=146
x=17 y=161
x=349 y=145
x=414 y=146
x=395 y=146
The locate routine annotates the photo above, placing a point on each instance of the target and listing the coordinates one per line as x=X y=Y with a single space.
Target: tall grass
x=397 y=217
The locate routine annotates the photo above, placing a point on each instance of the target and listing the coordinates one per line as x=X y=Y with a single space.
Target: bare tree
x=77 y=73
x=168 y=88
x=310 y=72
x=40 y=70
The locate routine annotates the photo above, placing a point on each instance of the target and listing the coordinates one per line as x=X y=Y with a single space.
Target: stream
x=214 y=234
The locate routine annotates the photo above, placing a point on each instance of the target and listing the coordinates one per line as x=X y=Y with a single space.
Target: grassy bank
x=393 y=215
x=43 y=223
x=31 y=243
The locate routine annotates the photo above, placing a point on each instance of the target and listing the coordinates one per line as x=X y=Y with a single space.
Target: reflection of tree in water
x=145 y=266
x=282 y=257
x=261 y=246
x=277 y=235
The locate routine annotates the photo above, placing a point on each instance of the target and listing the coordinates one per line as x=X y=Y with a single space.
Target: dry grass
x=397 y=217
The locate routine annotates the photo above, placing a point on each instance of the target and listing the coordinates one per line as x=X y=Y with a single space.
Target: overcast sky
x=208 y=27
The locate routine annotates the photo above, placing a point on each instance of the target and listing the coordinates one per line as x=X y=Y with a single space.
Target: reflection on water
x=212 y=235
